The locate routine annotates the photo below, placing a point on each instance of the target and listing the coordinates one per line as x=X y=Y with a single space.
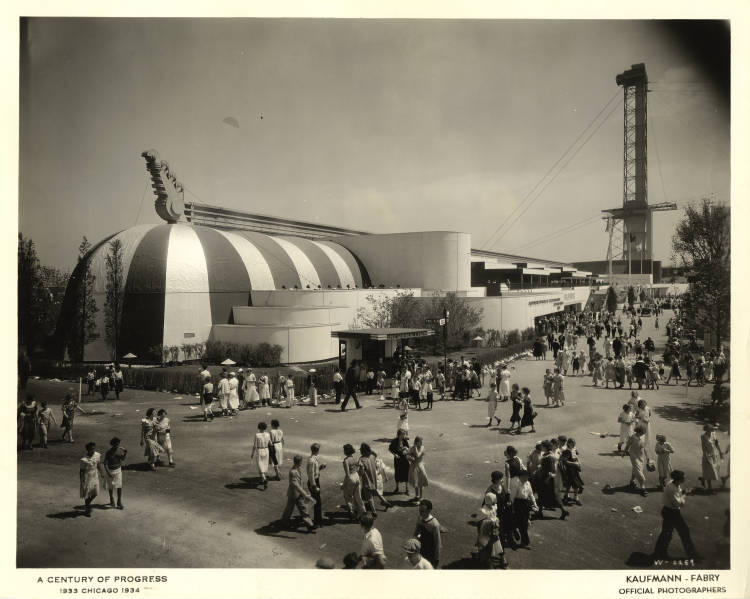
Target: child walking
x=45 y=417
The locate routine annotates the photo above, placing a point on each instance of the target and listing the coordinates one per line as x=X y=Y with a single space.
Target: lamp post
x=446 y=314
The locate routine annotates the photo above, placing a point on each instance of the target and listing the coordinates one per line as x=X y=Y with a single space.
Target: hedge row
x=188 y=382
x=263 y=354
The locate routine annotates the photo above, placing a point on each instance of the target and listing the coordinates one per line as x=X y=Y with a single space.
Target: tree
x=611 y=301
x=83 y=329
x=462 y=320
x=702 y=244
x=631 y=296
x=401 y=310
x=113 y=298
x=407 y=311
x=31 y=298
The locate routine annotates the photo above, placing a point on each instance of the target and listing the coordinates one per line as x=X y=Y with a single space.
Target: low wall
x=301 y=343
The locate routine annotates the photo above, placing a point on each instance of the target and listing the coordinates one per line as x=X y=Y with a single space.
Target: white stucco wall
x=517 y=311
x=430 y=260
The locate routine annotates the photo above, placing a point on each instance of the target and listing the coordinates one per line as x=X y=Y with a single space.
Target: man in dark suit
x=351 y=380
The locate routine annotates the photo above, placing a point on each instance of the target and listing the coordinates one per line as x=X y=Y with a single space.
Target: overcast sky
x=382 y=126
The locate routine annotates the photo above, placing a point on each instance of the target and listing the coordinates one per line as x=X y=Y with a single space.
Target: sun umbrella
x=478 y=338
x=228 y=362
x=129 y=356
x=407 y=348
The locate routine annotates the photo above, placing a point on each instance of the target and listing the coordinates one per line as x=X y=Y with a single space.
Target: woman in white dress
x=223 y=392
x=417 y=472
x=90 y=465
x=504 y=390
x=277 y=443
x=290 y=399
x=260 y=452
x=643 y=419
x=637 y=449
x=252 y=397
x=234 y=396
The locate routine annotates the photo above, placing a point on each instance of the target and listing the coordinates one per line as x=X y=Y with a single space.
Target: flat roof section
x=383 y=334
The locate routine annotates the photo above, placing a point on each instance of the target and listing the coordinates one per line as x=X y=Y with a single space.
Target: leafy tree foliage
x=40 y=293
x=114 y=293
x=83 y=325
x=702 y=244
x=611 y=301
x=631 y=296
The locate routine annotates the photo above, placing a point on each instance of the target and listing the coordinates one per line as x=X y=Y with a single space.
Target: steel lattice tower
x=635 y=214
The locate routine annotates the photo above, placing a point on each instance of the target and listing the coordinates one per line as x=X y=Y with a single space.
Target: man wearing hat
x=413 y=550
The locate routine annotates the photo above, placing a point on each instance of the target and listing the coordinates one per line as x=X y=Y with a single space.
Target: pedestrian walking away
x=260 y=452
x=276 y=448
x=314 y=467
x=352 y=379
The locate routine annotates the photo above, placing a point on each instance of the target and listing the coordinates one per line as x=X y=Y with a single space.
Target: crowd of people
x=548 y=479
x=109 y=379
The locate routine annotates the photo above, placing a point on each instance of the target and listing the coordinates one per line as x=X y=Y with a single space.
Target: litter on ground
x=637 y=509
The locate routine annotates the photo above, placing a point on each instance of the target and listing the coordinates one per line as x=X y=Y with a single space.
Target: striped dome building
x=179 y=280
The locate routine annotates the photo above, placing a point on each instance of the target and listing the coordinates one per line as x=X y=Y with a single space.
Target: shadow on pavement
x=465 y=563
x=339 y=517
x=638 y=559
x=195 y=418
x=139 y=467
x=247 y=483
x=700 y=414
x=76 y=512
x=610 y=490
x=274 y=529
